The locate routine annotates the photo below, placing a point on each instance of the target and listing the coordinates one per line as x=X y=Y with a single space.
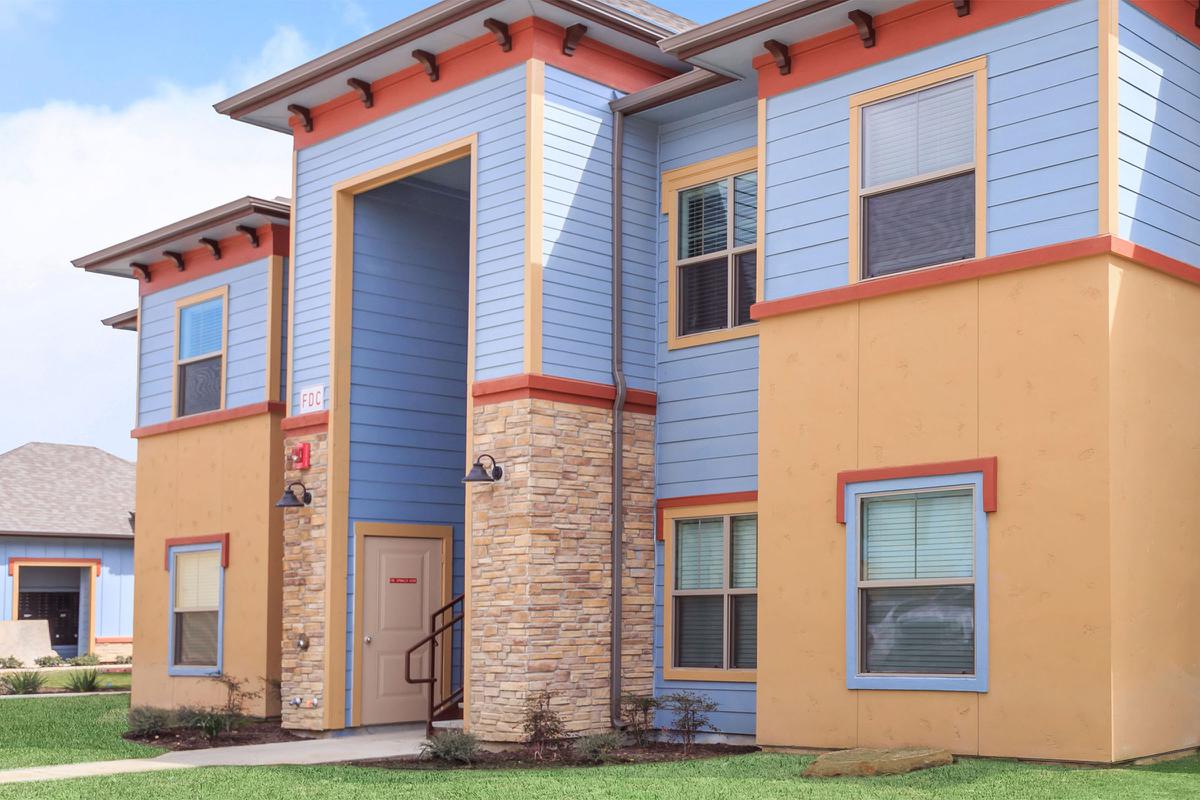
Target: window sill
x=919 y=683
x=193 y=672
x=711 y=337
x=706 y=674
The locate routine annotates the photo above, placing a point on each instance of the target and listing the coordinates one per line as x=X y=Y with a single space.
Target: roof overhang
x=434 y=29
x=216 y=223
x=670 y=90
x=125 y=321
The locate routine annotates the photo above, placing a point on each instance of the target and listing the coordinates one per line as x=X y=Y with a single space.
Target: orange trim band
x=978 y=268
x=472 y=61
x=207 y=418
x=211 y=538
x=1178 y=15
x=235 y=251
x=697 y=500
x=898 y=32
x=304 y=424
x=32 y=561
x=987 y=466
x=114 y=640
x=563 y=390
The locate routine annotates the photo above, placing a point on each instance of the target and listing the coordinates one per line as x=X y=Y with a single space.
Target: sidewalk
x=398 y=742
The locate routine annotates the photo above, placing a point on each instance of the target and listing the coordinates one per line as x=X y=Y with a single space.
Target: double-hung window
x=197 y=593
x=200 y=357
x=918 y=178
x=714 y=593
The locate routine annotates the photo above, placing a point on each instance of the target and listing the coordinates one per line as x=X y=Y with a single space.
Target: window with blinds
x=918 y=179
x=916 y=584
x=717 y=259
x=714 y=593
x=196 y=607
x=199 y=367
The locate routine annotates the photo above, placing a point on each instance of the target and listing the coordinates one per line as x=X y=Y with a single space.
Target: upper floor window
x=200 y=355
x=919 y=180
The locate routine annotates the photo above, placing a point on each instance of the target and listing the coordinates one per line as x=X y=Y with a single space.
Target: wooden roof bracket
x=865 y=24
x=176 y=257
x=213 y=246
x=251 y=234
x=141 y=269
x=428 y=61
x=963 y=7
x=304 y=113
x=500 y=31
x=781 y=53
x=571 y=38
x=364 y=93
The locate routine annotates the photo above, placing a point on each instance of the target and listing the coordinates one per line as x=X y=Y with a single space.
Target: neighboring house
x=897 y=303
x=66 y=543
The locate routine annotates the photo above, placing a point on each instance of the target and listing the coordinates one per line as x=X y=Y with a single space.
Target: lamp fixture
x=479 y=474
x=291 y=499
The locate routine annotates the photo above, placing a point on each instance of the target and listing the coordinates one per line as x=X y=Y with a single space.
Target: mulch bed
x=524 y=758
x=264 y=732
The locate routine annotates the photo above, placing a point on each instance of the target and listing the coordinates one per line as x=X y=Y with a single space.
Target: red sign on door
x=402 y=580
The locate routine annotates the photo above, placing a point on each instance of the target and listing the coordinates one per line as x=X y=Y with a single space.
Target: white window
x=715 y=593
x=197 y=588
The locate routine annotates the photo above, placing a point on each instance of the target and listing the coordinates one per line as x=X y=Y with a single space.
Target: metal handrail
x=435 y=706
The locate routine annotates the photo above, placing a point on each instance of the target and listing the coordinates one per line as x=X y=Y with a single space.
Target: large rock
x=26 y=640
x=866 y=761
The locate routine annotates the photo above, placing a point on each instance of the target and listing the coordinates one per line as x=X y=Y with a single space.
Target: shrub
x=453 y=746
x=148 y=720
x=597 y=747
x=22 y=682
x=691 y=710
x=542 y=724
x=637 y=712
x=85 y=660
x=212 y=722
x=49 y=661
x=84 y=680
x=11 y=662
x=123 y=660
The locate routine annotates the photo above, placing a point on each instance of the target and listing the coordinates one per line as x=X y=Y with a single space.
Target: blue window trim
x=946 y=683
x=185 y=671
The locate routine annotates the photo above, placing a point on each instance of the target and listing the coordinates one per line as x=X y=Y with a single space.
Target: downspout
x=618 y=427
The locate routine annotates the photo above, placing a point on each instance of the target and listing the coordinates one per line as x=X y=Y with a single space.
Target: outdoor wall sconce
x=292 y=500
x=479 y=474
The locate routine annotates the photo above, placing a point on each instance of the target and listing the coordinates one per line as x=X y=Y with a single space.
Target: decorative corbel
x=865 y=24
x=251 y=234
x=571 y=38
x=782 y=55
x=214 y=247
x=304 y=113
x=141 y=269
x=500 y=31
x=176 y=257
x=1198 y=16
x=428 y=61
x=364 y=92
x=963 y=7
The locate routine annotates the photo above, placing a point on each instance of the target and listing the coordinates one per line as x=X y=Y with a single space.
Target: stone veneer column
x=304 y=574
x=539 y=564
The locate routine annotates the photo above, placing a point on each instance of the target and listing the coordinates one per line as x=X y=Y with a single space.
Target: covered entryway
x=61 y=596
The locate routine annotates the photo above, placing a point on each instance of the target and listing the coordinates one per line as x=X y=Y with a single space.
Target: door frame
x=14 y=569
x=393 y=530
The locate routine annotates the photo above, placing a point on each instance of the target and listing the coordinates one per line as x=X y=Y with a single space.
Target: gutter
x=618 y=423
x=737 y=26
x=689 y=83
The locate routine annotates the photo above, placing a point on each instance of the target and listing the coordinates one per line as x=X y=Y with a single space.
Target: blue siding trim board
x=946 y=683
x=246 y=352
x=114 y=587
x=1158 y=136
x=408 y=371
x=493 y=108
x=1042 y=168
x=639 y=251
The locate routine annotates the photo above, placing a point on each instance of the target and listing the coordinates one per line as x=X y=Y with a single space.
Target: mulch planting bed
x=264 y=732
x=563 y=756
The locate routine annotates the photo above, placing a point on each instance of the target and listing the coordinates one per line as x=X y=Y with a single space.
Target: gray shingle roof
x=57 y=489
x=655 y=14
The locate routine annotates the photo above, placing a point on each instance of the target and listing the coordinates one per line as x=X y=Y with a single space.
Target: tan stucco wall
x=219 y=478
x=1013 y=366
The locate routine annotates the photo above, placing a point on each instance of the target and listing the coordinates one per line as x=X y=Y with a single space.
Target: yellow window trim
x=976 y=67
x=670 y=516
x=673 y=182
x=191 y=300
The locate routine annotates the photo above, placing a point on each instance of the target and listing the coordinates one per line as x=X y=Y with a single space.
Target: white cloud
x=285 y=49
x=355 y=17
x=15 y=13
x=74 y=179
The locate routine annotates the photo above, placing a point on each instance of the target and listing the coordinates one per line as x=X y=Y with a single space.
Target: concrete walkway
x=395 y=742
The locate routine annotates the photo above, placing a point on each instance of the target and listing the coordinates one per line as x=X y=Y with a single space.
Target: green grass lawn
x=114 y=680
x=63 y=730
x=743 y=777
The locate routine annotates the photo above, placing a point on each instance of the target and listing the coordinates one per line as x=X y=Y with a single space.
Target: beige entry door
x=402 y=586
